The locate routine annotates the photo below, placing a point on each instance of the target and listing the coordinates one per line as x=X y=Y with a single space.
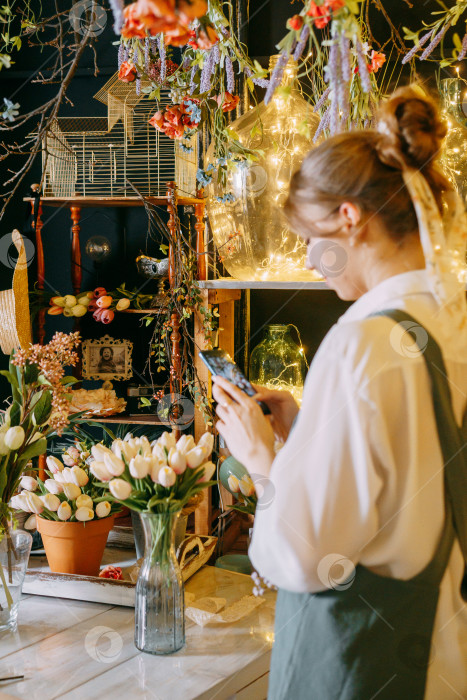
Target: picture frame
x=107 y=358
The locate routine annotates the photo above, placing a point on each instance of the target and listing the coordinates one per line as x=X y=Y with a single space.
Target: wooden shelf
x=110 y=201
x=143 y=419
x=230 y=283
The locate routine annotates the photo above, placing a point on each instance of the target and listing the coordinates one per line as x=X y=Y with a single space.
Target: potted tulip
x=70 y=513
x=156 y=480
x=38 y=410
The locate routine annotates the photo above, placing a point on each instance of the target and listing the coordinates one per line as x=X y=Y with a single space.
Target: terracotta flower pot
x=75 y=548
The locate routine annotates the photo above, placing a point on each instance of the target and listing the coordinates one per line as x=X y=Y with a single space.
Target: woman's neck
x=395 y=258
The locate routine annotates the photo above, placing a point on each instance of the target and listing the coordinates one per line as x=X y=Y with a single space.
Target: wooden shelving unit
x=230 y=283
x=142 y=419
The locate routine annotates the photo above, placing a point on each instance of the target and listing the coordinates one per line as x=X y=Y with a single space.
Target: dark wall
x=126 y=229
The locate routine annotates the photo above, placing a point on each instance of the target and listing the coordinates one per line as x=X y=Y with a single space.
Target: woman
x=106 y=362
x=354 y=506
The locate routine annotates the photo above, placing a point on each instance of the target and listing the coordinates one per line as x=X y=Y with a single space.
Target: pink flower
x=107 y=316
x=377 y=58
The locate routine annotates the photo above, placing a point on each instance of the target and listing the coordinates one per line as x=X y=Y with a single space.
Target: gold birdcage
x=104 y=156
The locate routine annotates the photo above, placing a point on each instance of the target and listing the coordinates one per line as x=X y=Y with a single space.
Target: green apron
x=371 y=638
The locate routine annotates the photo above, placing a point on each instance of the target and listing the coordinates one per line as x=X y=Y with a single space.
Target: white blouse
x=360 y=479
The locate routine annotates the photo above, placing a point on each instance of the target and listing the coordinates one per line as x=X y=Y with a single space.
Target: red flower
x=295 y=22
x=100 y=292
x=230 y=101
x=323 y=12
x=127 y=72
x=107 y=316
x=157 y=121
x=377 y=59
x=191 y=9
x=113 y=572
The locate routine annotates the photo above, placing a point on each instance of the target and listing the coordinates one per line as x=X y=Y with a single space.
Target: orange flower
x=132 y=27
x=173 y=115
x=207 y=37
x=177 y=34
x=127 y=72
x=157 y=121
x=323 y=12
x=230 y=101
x=151 y=13
x=377 y=59
x=192 y=9
x=295 y=22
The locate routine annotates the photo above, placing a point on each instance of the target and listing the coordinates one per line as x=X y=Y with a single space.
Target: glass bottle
x=251 y=235
x=277 y=362
x=454 y=151
x=15 y=547
x=159 y=602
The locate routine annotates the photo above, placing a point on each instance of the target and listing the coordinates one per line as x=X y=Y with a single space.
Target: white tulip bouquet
x=157 y=477
x=70 y=493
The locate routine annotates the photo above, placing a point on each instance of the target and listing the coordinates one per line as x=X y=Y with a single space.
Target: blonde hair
x=365 y=167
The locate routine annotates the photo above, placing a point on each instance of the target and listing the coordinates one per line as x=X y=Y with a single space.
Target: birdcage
x=105 y=156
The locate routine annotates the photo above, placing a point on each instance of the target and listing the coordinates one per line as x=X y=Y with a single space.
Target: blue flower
x=204 y=177
x=228 y=197
x=10 y=111
x=186 y=148
x=193 y=109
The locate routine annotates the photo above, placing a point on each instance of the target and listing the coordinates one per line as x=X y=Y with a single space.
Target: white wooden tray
x=193 y=553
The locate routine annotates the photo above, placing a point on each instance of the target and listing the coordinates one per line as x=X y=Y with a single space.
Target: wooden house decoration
x=101 y=156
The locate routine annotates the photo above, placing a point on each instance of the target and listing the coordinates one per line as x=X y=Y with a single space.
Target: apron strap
x=452 y=449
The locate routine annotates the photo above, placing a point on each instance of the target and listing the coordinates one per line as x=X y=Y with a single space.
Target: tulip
x=3 y=448
x=123 y=304
x=69 y=461
x=117 y=448
x=79 y=310
x=196 y=457
x=206 y=441
x=140 y=466
x=84 y=301
x=54 y=465
x=185 y=444
x=70 y=300
x=114 y=465
x=159 y=453
x=167 y=477
x=50 y=502
x=19 y=502
x=71 y=491
x=99 y=450
x=177 y=461
x=64 y=511
x=53 y=486
x=128 y=436
x=129 y=449
x=120 y=489
x=99 y=292
x=84 y=514
x=79 y=476
x=246 y=486
x=34 y=502
x=103 y=509
x=14 y=437
x=155 y=469
x=167 y=440
x=100 y=471
x=84 y=501
x=58 y=301
x=67 y=312
x=104 y=301
x=60 y=478
x=233 y=484
x=29 y=483
x=209 y=469
x=55 y=311
x=107 y=316
x=97 y=314
x=66 y=476
x=31 y=522
x=145 y=446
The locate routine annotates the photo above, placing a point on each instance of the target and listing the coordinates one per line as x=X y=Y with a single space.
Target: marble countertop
x=72 y=650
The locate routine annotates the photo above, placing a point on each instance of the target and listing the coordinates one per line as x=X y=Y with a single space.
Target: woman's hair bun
x=411 y=130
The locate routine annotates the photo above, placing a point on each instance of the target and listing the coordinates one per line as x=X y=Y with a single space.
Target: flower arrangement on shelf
x=100 y=303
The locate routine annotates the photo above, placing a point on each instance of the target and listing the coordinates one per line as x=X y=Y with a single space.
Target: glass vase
x=159 y=604
x=454 y=151
x=251 y=235
x=277 y=362
x=15 y=547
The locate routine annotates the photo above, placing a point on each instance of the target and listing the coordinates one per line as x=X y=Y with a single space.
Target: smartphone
x=219 y=362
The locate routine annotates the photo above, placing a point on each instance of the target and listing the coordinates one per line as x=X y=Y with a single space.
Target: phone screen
x=220 y=363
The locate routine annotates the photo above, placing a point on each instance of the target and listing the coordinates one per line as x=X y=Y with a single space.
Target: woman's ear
x=350 y=213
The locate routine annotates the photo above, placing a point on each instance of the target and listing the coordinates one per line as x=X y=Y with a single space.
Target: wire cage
x=104 y=156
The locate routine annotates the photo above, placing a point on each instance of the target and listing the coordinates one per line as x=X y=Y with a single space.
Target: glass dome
x=454 y=152
x=250 y=233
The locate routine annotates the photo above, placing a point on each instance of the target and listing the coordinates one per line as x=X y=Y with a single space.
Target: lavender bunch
x=162 y=55
x=206 y=73
x=135 y=55
x=305 y=33
x=230 y=75
x=117 y=10
x=463 y=51
x=435 y=41
x=322 y=99
x=333 y=74
x=126 y=53
x=121 y=54
x=344 y=50
x=146 y=55
x=363 y=68
x=408 y=57
x=138 y=85
x=323 y=124
x=261 y=82
x=276 y=76
x=193 y=73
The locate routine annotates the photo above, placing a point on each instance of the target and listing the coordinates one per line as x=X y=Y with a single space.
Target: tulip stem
x=9 y=599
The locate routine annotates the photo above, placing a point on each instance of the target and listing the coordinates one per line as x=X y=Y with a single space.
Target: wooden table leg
x=76 y=271
x=37 y=225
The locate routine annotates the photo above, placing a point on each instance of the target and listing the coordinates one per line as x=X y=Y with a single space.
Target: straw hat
x=15 y=322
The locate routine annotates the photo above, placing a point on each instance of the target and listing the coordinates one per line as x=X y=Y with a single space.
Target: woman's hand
x=246 y=431
x=283 y=407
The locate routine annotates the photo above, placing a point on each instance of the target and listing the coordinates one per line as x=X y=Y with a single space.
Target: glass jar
x=159 y=601
x=277 y=362
x=15 y=548
x=251 y=235
x=454 y=151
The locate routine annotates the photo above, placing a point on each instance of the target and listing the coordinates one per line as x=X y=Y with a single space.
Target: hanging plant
x=433 y=34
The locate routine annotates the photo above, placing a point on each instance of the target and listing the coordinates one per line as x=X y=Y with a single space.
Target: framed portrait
x=107 y=358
